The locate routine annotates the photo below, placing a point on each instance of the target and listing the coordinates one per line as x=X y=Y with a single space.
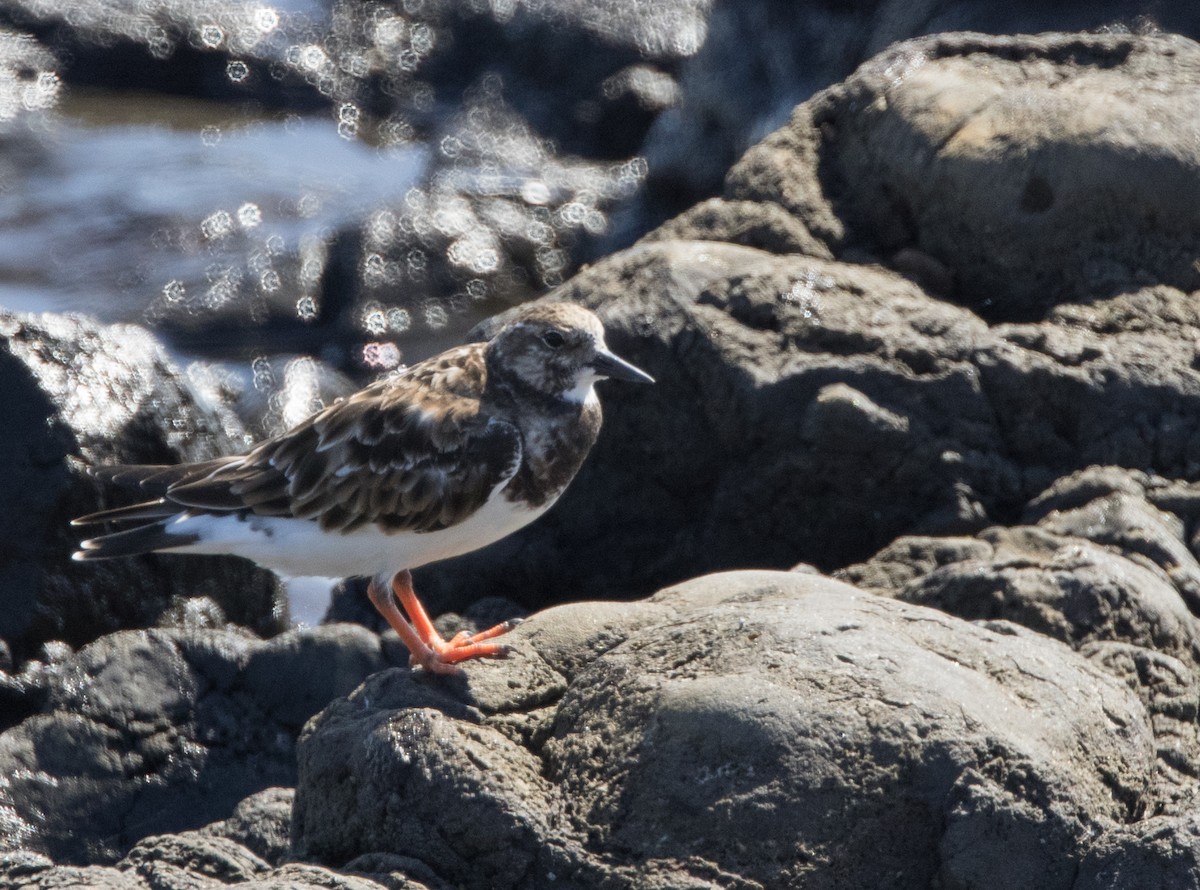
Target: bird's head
x=558 y=349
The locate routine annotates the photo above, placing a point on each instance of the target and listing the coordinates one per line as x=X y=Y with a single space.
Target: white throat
x=583 y=390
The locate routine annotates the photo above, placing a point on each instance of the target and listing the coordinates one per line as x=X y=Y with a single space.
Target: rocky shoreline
x=890 y=581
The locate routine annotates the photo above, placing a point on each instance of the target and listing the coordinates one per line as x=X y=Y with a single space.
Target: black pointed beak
x=608 y=365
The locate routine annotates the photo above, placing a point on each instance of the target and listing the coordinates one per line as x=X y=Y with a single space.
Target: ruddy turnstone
x=440 y=459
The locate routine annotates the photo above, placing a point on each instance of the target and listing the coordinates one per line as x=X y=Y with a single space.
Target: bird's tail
x=142 y=539
x=159 y=509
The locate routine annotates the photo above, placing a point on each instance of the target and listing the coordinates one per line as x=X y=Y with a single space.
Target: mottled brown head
x=557 y=350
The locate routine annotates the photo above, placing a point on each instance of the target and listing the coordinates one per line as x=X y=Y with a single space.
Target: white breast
x=298 y=548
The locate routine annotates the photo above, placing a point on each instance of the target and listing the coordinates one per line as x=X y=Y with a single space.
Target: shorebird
x=437 y=460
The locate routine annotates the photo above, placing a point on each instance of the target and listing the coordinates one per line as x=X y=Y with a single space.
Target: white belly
x=298 y=548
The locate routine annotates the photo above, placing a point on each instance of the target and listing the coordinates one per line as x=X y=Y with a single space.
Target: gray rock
x=909 y=558
x=1170 y=690
x=72 y=877
x=747 y=76
x=1156 y=853
x=194 y=861
x=750 y=223
x=138 y=740
x=1139 y=515
x=147 y=732
x=77 y=393
x=1158 y=308
x=183 y=858
x=1064 y=587
x=260 y=823
x=778 y=728
x=298 y=876
x=1104 y=571
x=298 y=672
x=220 y=855
x=1006 y=160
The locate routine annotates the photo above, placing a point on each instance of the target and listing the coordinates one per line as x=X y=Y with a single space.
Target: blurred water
x=132 y=201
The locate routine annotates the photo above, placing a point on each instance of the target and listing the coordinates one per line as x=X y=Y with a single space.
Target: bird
x=436 y=460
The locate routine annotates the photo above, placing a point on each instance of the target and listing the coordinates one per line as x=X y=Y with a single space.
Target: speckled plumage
x=433 y=461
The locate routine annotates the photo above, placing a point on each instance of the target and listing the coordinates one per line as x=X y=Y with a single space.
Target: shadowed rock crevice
x=145 y=732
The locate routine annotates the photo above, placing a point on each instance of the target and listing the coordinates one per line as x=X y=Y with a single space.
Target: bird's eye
x=553 y=339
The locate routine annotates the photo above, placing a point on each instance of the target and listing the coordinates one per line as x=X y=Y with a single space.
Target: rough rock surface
x=145 y=732
x=260 y=823
x=78 y=394
x=194 y=860
x=776 y=728
x=1034 y=171
x=1155 y=853
x=1105 y=569
x=748 y=75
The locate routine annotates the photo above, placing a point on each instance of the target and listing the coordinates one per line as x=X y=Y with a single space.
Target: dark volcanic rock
x=159 y=859
x=1034 y=169
x=146 y=732
x=1104 y=570
x=1066 y=588
x=646 y=746
x=1141 y=515
x=1105 y=565
x=762 y=225
x=1157 y=853
x=759 y=59
x=260 y=823
x=197 y=860
x=79 y=394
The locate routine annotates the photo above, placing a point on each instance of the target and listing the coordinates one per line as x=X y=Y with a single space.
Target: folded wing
x=391 y=455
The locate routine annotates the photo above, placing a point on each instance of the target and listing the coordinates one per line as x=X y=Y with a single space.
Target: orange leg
x=426 y=645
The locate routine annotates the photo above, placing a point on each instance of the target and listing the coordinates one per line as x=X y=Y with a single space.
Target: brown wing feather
x=411 y=453
x=155 y=479
x=152 y=479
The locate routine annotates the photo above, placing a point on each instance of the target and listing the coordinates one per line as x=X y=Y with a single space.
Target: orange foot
x=426 y=646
